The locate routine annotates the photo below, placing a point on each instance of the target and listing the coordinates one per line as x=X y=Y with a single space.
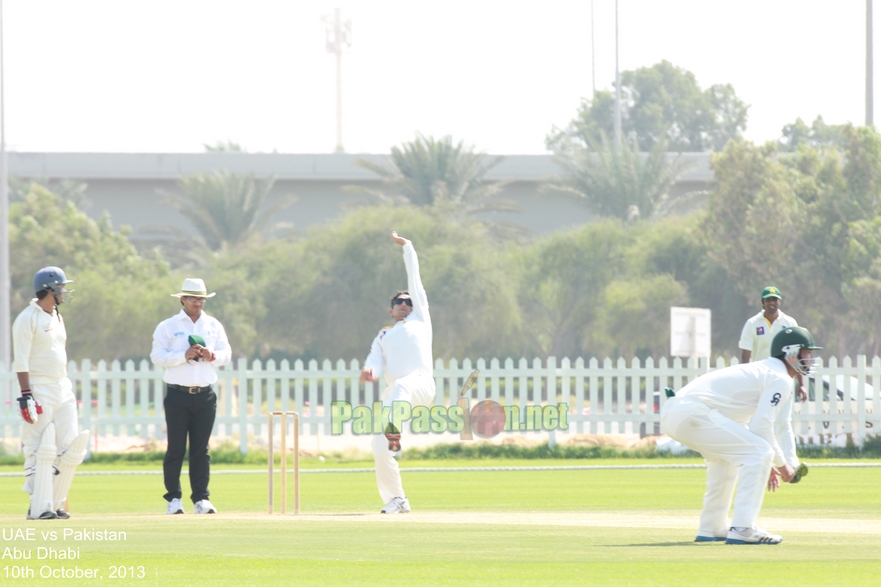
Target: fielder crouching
x=52 y=447
x=731 y=416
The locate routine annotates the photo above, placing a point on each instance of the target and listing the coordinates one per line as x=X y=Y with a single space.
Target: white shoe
x=752 y=536
x=203 y=506
x=174 y=507
x=711 y=536
x=398 y=505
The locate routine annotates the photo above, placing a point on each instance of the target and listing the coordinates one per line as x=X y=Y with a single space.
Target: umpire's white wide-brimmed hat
x=194 y=287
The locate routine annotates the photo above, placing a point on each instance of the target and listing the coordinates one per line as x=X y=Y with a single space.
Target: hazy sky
x=170 y=75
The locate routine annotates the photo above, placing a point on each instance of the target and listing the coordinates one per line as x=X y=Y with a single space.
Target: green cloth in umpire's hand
x=196 y=339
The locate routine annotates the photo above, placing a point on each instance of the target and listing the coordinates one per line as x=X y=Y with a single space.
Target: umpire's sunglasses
x=398 y=301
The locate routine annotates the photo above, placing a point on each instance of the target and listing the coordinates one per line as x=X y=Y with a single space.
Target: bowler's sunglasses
x=398 y=301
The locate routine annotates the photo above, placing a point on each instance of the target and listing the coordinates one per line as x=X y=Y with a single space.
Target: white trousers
x=418 y=389
x=61 y=412
x=734 y=456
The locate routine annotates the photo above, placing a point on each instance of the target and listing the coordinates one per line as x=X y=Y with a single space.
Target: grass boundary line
x=449 y=469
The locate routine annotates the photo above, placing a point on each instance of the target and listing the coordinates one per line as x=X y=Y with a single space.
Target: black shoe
x=47 y=515
x=62 y=515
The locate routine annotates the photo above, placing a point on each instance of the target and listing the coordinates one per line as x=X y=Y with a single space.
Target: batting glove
x=29 y=407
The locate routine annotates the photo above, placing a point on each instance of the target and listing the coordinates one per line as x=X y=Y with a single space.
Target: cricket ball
x=487 y=418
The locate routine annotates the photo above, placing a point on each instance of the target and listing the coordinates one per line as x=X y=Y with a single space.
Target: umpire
x=190 y=345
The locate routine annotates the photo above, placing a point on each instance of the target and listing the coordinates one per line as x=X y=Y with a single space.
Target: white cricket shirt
x=758 y=333
x=39 y=340
x=754 y=393
x=170 y=344
x=405 y=347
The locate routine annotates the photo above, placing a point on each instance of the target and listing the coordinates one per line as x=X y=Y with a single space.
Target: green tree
x=561 y=279
x=439 y=173
x=667 y=264
x=224 y=147
x=120 y=295
x=67 y=189
x=226 y=209
x=862 y=292
x=803 y=222
x=621 y=182
x=819 y=134
x=327 y=294
x=659 y=103
x=634 y=316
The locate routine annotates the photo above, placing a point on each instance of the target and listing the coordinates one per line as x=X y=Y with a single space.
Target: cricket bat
x=465 y=404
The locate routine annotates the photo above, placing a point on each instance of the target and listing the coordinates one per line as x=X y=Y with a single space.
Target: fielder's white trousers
x=59 y=407
x=418 y=389
x=734 y=456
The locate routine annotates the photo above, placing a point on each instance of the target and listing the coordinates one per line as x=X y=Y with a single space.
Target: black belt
x=184 y=389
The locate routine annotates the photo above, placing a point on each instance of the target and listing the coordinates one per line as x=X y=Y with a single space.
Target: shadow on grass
x=640 y=545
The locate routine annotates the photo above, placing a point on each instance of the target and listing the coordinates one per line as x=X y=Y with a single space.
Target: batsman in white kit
x=52 y=447
x=401 y=354
x=730 y=417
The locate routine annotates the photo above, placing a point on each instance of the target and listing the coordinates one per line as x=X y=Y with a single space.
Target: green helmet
x=794 y=335
x=788 y=344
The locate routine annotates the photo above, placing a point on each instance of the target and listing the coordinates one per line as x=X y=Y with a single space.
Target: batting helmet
x=789 y=342
x=51 y=279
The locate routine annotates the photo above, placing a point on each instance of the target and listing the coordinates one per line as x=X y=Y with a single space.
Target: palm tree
x=621 y=182
x=437 y=172
x=226 y=209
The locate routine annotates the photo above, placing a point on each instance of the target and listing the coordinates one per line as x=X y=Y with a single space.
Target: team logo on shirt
x=760 y=330
x=775 y=399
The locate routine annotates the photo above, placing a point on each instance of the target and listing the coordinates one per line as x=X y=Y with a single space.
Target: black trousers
x=188 y=415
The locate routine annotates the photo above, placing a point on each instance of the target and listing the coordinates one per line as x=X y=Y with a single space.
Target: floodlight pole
x=593 y=56
x=870 y=68
x=337 y=34
x=617 y=86
x=5 y=317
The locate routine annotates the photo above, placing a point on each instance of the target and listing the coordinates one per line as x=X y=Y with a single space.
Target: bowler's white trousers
x=734 y=456
x=418 y=389
x=59 y=407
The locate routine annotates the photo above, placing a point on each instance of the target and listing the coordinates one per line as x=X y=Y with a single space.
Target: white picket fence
x=608 y=397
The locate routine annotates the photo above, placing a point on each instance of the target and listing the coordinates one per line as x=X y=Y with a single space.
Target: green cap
x=771 y=292
x=196 y=339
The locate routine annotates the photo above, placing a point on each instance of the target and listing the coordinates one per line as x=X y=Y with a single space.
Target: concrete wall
x=127 y=185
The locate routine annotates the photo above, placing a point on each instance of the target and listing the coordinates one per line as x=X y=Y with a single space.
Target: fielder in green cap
x=755 y=345
x=759 y=331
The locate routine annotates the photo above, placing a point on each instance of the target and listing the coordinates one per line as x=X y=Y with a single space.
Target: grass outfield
x=596 y=527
